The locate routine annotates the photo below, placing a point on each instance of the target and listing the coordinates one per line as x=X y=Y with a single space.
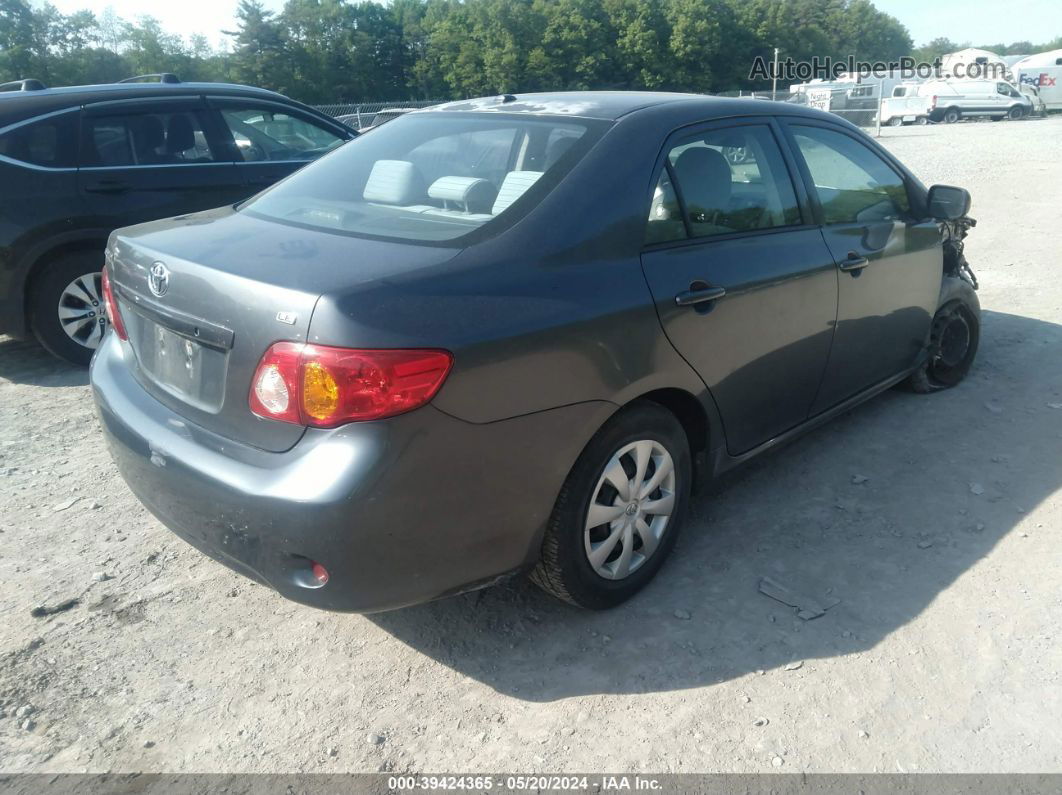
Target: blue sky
x=976 y=21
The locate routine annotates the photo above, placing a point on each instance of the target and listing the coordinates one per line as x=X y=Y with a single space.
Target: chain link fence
x=858 y=103
x=365 y=112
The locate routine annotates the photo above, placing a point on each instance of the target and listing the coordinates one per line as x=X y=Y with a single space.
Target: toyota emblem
x=158 y=279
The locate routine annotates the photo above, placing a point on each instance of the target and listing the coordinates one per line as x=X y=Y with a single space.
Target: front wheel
x=619 y=511
x=66 y=306
x=1015 y=113
x=953 y=339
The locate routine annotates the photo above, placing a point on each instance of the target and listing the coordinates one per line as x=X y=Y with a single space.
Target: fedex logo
x=1042 y=80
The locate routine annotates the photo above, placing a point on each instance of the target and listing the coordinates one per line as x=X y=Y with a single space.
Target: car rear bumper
x=399 y=511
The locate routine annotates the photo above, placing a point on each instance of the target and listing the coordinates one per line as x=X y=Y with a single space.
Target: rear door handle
x=694 y=297
x=108 y=186
x=854 y=262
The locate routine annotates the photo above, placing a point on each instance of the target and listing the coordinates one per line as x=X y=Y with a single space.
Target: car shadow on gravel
x=883 y=509
x=26 y=362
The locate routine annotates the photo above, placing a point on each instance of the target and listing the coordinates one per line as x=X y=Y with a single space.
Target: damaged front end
x=954 y=233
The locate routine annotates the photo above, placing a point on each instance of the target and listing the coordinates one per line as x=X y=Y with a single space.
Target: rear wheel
x=953 y=340
x=922 y=121
x=895 y=121
x=66 y=306
x=952 y=115
x=619 y=511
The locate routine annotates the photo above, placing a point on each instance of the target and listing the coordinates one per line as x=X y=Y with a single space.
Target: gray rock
x=62 y=506
x=101 y=576
x=333 y=751
x=375 y=739
x=778 y=761
x=794 y=666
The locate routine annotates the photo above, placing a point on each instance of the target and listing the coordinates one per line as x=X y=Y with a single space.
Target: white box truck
x=1043 y=72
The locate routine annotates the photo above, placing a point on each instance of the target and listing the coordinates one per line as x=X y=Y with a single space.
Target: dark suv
x=79 y=161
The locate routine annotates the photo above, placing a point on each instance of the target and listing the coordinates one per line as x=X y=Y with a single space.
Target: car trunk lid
x=204 y=296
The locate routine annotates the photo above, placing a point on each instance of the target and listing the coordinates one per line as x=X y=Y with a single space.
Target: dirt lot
x=935 y=520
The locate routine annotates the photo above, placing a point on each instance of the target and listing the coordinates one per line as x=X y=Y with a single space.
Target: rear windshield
x=430 y=177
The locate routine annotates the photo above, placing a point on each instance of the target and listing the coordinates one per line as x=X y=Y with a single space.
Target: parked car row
x=78 y=162
x=505 y=334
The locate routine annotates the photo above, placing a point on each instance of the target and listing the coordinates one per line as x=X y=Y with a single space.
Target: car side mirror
x=948 y=203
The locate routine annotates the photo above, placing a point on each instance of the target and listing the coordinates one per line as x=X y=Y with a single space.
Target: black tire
x=1015 y=113
x=564 y=569
x=921 y=121
x=953 y=339
x=952 y=115
x=46 y=290
x=895 y=121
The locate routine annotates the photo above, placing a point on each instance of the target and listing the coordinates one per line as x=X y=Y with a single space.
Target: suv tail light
x=110 y=305
x=324 y=387
x=933 y=103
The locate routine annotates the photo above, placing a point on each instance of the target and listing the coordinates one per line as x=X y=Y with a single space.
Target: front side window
x=853 y=184
x=50 y=142
x=140 y=138
x=268 y=134
x=730 y=180
x=429 y=176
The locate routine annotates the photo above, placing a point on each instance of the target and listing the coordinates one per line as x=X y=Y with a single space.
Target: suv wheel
x=1015 y=113
x=66 y=306
x=952 y=115
x=620 y=510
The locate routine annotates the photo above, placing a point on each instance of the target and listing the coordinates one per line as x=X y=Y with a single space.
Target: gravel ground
x=930 y=518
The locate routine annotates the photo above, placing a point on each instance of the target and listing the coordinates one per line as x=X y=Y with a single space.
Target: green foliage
x=325 y=51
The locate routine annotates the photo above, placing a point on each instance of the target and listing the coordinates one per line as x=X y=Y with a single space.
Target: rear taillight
x=324 y=387
x=114 y=317
x=932 y=103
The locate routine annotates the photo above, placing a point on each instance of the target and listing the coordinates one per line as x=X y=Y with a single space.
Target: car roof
x=18 y=105
x=612 y=105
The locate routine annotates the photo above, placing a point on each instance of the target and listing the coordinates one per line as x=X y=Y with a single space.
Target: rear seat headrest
x=513 y=187
x=394 y=182
x=472 y=193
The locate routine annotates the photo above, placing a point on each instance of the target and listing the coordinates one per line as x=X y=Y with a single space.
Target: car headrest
x=512 y=188
x=705 y=179
x=394 y=182
x=474 y=194
x=180 y=135
x=148 y=134
x=558 y=149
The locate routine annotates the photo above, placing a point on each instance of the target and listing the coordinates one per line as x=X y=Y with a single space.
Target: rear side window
x=730 y=180
x=854 y=185
x=146 y=139
x=267 y=134
x=50 y=142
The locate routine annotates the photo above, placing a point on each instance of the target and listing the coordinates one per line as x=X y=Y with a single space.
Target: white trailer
x=1042 y=71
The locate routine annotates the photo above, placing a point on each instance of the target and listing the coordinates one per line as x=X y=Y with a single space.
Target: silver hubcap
x=630 y=510
x=81 y=311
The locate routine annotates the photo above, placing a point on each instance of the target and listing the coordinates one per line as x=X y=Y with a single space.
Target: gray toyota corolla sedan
x=502 y=335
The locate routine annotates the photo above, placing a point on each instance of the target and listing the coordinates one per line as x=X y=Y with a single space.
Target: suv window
x=139 y=138
x=854 y=185
x=730 y=180
x=268 y=134
x=49 y=142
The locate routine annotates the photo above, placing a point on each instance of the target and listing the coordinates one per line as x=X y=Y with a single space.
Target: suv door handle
x=108 y=186
x=694 y=297
x=855 y=262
